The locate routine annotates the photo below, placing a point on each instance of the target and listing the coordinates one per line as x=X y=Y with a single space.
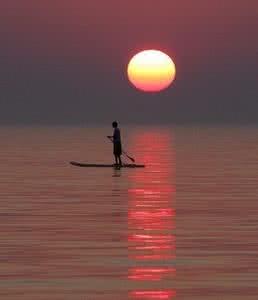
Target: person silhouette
x=117 y=144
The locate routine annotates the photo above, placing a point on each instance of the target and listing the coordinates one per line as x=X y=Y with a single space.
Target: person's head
x=114 y=124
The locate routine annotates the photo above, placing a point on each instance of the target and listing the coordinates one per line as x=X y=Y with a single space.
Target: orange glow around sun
x=151 y=71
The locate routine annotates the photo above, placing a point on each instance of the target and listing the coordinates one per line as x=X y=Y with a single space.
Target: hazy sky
x=64 y=61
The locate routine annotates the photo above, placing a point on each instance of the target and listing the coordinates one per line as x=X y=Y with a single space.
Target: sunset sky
x=64 y=61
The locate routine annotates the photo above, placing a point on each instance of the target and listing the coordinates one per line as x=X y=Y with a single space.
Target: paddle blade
x=132 y=159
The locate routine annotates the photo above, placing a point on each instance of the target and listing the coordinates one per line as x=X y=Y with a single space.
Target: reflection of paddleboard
x=83 y=165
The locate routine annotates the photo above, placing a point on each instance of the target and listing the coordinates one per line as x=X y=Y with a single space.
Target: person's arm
x=111 y=136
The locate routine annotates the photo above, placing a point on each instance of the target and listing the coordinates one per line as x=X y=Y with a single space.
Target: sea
x=184 y=227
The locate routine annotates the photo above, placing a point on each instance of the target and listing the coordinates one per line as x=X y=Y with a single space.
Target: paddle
x=131 y=158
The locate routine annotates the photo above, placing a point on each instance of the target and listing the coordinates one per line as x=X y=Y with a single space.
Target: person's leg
x=120 y=161
x=116 y=159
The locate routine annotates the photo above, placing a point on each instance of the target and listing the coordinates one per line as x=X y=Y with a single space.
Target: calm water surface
x=185 y=227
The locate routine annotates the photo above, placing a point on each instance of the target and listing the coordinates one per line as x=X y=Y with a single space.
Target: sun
x=151 y=71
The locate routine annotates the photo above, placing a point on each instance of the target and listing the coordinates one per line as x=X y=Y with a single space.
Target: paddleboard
x=85 y=165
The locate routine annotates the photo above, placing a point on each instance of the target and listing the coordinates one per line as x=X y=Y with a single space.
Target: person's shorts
x=117 y=149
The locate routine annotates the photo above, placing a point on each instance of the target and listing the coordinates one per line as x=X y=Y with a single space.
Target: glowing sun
x=151 y=71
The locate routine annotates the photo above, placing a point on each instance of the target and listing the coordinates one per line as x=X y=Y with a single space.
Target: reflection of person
x=116 y=138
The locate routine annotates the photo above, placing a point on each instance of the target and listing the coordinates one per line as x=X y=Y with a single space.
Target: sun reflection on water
x=151 y=219
x=154 y=295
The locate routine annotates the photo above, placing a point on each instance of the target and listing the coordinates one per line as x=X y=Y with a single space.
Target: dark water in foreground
x=183 y=228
